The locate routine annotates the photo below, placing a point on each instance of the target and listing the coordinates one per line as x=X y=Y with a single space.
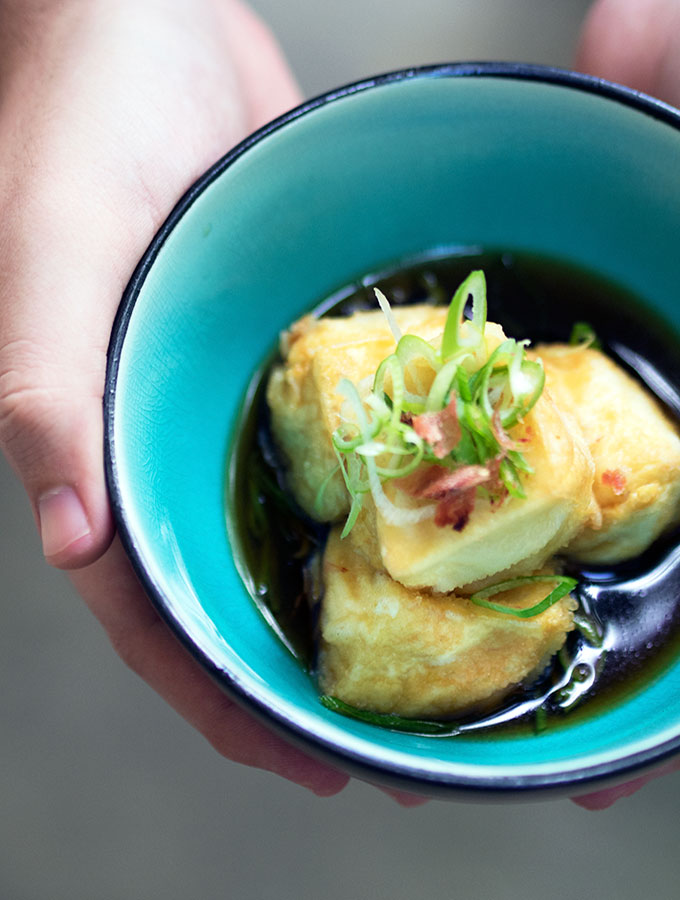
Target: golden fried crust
x=515 y=537
x=397 y=650
x=303 y=397
x=635 y=448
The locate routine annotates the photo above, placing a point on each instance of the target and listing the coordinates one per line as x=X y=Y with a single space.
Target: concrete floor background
x=105 y=794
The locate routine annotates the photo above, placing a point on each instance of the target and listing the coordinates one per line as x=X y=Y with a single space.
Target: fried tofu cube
x=634 y=445
x=306 y=407
x=512 y=538
x=410 y=652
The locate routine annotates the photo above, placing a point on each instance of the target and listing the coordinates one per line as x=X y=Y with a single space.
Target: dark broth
x=632 y=608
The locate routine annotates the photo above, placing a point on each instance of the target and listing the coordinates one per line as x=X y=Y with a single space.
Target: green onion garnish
x=563 y=586
x=588 y=629
x=583 y=335
x=387 y=720
x=540 y=720
x=473 y=287
x=478 y=395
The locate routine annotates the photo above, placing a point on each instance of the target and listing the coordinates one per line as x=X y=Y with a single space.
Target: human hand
x=109 y=109
x=636 y=43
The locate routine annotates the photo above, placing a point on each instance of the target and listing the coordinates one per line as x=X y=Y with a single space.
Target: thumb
x=636 y=43
x=53 y=341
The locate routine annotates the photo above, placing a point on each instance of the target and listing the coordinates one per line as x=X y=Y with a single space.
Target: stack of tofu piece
x=398 y=633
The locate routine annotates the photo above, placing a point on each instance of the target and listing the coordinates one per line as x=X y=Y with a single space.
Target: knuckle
x=25 y=398
x=36 y=391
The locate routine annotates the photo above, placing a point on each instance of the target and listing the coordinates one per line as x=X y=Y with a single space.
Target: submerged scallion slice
x=562 y=587
x=388 y=720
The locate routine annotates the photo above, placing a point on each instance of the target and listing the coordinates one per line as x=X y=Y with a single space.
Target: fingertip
x=628 y=41
x=321 y=779
x=329 y=784
x=601 y=800
x=266 y=78
x=410 y=801
x=71 y=538
x=404 y=798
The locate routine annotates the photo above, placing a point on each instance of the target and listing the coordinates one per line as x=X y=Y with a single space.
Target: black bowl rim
x=406 y=777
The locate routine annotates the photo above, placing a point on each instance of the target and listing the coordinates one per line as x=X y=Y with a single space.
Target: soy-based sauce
x=630 y=611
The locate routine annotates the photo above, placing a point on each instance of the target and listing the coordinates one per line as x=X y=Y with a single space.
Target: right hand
x=636 y=43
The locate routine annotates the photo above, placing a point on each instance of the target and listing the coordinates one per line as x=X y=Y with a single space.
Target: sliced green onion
x=519 y=462
x=318 y=500
x=533 y=381
x=453 y=341
x=481 y=432
x=392 y=366
x=583 y=334
x=463 y=385
x=509 y=475
x=412 y=347
x=588 y=629
x=346 y=388
x=540 y=720
x=378 y=436
x=520 y=384
x=466 y=452
x=414 y=447
x=394 y=515
x=388 y=720
x=563 y=587
x=353 y=489
x=374 y=448
x=442 y=385
x=346 y=445
x=366 y=431
x=384 y=304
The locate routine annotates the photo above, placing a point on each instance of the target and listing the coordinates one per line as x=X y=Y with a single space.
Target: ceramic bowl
x=473 y=155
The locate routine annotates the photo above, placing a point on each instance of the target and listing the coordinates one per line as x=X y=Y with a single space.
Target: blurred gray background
x=107 y=795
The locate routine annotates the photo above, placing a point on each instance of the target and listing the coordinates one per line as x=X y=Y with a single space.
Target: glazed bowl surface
x=423 y=161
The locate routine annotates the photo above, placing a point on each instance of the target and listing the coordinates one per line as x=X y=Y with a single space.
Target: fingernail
x=331 y=787
x=62 y=520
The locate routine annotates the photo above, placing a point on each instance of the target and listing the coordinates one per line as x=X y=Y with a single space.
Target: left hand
x=110 y=109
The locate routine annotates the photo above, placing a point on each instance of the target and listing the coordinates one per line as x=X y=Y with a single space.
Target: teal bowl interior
x=419 y=161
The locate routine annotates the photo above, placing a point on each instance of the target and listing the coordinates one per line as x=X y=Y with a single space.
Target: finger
x=75 y=223
x=604 y=799
x=52 y=365
x=407 y=800
x=148 y=647
x=265 y=78
x=636 y=43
